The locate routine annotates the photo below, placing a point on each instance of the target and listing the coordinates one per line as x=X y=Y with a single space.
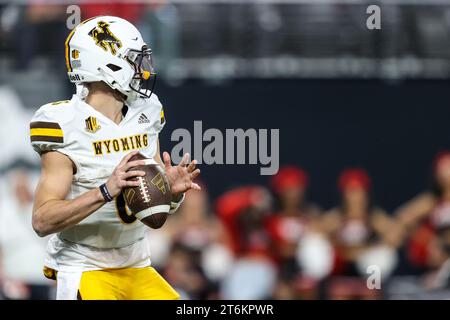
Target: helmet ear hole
x=113 y=67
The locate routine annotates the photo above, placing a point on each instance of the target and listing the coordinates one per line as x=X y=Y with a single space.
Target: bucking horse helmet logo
x=104 y=38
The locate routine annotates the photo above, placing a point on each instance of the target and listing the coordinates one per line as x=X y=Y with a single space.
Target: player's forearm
x=57 y=215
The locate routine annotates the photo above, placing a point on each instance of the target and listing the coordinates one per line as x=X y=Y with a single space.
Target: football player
x=98 y=249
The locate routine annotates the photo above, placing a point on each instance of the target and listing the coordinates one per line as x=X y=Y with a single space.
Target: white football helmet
x=110 y=49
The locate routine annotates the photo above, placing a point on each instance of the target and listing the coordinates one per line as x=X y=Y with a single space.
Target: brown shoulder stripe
x=47 y=139
x=44 y=124
x=46 y=132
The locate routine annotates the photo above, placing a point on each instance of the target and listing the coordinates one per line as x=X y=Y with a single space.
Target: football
x=150 y=201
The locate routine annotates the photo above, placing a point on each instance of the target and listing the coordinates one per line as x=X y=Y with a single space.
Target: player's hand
x=118 y=179
x=181 y=177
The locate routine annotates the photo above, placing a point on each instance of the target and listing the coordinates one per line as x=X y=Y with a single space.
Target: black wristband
x=105 y=193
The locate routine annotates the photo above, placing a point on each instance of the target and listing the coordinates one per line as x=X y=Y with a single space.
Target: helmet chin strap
x=119 y=95
x=82 y=90
x=132 y=96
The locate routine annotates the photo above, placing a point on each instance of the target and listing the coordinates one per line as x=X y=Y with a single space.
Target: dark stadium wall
x=391 y=129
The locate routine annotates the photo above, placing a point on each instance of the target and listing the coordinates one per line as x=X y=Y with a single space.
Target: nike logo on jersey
x=135 y=142
x=143 y=119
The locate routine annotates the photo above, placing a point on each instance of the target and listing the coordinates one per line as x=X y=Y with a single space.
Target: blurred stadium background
x=364 y=128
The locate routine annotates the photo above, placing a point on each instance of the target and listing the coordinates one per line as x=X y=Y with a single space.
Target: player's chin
x=155 y=221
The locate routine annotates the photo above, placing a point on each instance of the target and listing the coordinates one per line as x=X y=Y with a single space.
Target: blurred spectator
x=126 y=10
x=363 y=235
x=22 y=251
x=42 y=32
x=304 y=255
x=184 y=273
x=14 y=130
x=195 y=227
x=243 y=212
x=435 y=283
x=439 y=277
x=294 y=217
x=420 y=216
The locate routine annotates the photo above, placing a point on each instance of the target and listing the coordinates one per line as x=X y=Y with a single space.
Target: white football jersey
x=96 y=144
